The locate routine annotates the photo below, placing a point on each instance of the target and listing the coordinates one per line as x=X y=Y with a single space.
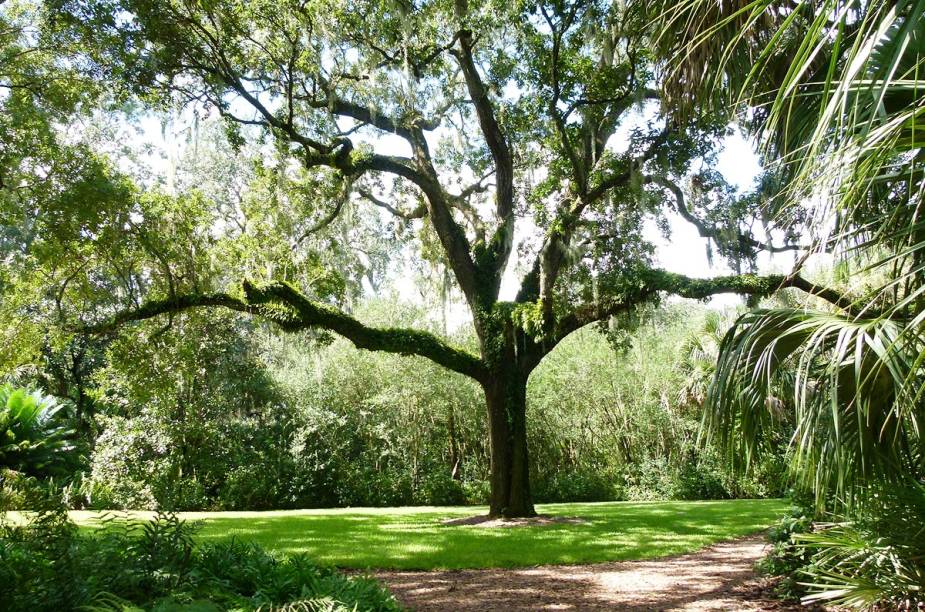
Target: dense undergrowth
x=48 y=564
x=872 y=557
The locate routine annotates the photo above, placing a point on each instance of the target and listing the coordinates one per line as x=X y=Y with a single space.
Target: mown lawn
x=415 y=538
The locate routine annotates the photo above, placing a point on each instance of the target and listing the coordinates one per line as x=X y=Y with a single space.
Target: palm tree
x=834 y=92
x=33 y=438
x=699 y=352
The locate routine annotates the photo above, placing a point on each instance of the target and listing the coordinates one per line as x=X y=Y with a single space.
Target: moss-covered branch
x=156 y=308
x=653 y=282
x=743 y=284
x=293 y=311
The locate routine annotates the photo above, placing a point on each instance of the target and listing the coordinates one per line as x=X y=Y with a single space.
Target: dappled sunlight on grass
x=416 y=538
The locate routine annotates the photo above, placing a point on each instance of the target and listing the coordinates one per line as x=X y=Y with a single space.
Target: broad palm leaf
x=855 y=421
x=835 y=92
x=33 y=437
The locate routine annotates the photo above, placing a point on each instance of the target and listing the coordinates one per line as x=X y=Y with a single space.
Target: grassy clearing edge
x=415 y=538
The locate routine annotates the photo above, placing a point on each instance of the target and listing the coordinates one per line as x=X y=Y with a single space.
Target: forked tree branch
x=495 y=254
x=709 y=231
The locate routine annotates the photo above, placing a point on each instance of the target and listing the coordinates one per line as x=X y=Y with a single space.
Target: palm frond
x=856 y=418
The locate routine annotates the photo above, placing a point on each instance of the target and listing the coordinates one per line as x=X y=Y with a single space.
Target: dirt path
x=716 y=578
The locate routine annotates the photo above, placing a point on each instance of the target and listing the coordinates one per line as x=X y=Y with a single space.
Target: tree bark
x=506 y=399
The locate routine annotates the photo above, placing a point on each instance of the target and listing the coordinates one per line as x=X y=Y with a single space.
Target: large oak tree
x=507 y=121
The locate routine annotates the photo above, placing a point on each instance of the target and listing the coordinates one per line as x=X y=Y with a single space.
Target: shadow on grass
x=418 y=540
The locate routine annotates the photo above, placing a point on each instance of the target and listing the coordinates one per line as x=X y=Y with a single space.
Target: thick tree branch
x=494 y=137
x=452 y=236
x=494 y=256
x=344 y=108
x=154 y=308
x=293 y=311
x=654 y=282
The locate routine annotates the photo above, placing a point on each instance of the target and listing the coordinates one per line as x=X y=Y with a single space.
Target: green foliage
x=380 y=430
x=288 y=193
x=853 y=426
x=840 y=92
x=418 y=538
x=131 y=466
x=786 y=557
x=872 y=557
x=34 y=437
x=230 y=420
x=578 y=484
x=635 y=420
x=47 y=564
x=842 y=105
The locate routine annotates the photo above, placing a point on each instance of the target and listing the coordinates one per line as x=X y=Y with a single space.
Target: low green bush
x=47 y=564
x=869 y=558
x=578 y=485
x=439 y=489
x=786 y=558
x=652 y=479
x=477 y=492
x=701 y=476
x=872 y=557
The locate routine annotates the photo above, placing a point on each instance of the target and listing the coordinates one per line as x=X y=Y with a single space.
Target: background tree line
x=219 y=414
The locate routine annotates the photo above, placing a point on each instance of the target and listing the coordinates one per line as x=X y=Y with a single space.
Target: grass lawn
x=415 y=538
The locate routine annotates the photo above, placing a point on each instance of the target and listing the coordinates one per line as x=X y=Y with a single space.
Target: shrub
x=439 y=489
x=47 y=564
x=578 y=485
x=33 y=437
x=246 y=487
x=701 y=477
x=868 y=559
x=652 y=479
x=130 y=462
x=873 y=557
x=787 y=558
x=477 y=492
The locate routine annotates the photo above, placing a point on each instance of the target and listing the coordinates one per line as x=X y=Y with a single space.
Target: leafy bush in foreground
x=33 y=438
x=871 y=558
x=787 y=558
x=47 y=564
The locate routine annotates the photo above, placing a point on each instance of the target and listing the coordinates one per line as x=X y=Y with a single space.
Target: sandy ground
x=717 y=578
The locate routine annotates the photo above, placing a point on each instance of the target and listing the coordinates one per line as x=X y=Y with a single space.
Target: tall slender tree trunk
x=506 y=399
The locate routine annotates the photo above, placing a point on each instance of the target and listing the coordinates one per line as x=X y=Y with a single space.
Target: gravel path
x=717 y=578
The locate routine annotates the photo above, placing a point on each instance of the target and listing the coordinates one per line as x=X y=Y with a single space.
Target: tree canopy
x=473 y=127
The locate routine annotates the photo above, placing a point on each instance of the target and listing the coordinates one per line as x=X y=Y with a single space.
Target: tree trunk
x=506 y=398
